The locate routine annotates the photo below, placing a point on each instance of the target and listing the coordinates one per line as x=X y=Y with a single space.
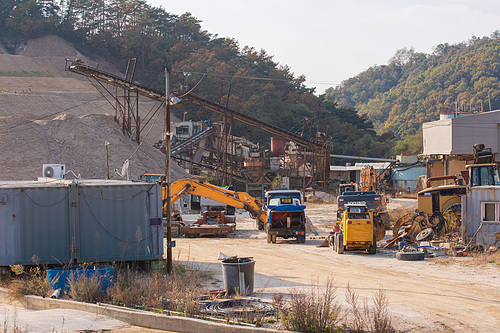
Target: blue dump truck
x=285 y=215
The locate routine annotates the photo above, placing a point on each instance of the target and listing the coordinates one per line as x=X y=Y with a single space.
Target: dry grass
x=86 y=288
x=486 y=257
x=319 y=311
x=365 y=318
x=316 y=311
x=180 y=291
x=31 y=281
x=7 y=327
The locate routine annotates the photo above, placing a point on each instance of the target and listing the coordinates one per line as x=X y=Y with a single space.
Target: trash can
x=238 y=275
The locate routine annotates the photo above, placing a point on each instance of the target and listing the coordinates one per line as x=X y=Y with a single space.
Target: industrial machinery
x=439 y=207
x=356 y=231
x=285 y=215
x=232 y=198
x=347 y=187
x=373 y=202
x=367 y=179
x=211 y=223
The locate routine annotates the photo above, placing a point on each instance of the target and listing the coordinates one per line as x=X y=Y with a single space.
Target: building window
x=182 y=130
x=490 y=212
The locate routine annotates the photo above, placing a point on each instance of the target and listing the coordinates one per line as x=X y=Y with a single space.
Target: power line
x=258 y=78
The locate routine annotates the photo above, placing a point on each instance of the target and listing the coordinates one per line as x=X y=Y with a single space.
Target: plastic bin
x=238 y=275
x=58 y=277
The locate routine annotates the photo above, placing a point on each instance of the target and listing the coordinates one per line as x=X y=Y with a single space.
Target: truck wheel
x=410 y=256
x=425 y=235
x=269 y=238
x=273 y=239
x=373 y=247
x=340 y=243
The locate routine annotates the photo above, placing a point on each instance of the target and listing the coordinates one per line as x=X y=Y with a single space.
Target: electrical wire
x=259 y=78
x=199 y=81
x=50 y=205
x=112 y=199
x=110 y=234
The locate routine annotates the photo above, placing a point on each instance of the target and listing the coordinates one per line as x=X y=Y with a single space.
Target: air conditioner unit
x=54 y=170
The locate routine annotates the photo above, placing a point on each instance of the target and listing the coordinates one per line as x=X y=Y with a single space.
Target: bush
x=316 y=311
x=364 y=318
x=86 y=288
x=180 y=291
x=31 y=282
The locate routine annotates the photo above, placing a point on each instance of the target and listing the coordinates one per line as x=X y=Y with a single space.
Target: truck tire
x=340 y=243
x=410 y=256
x=425 y=235
x=373 y=247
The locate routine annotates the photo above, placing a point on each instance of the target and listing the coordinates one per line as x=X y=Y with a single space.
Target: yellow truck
x=356 y=231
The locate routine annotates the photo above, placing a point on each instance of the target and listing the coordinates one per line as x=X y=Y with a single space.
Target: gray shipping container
x=62 y=221
x=481 y=215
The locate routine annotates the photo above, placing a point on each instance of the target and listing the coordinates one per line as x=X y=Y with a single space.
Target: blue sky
x=331 y=41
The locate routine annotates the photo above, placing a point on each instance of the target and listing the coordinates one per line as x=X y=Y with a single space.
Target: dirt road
x=444 y=295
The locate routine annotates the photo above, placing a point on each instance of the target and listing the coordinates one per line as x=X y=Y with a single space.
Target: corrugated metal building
x=481 y=215
x=61 y=221
x=409 y=177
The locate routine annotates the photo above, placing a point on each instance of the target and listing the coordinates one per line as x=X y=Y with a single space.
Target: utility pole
x=167 y=172
x=106 y=144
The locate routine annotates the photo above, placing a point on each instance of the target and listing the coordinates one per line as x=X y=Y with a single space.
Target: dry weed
x=486 y=257
x=316 y=311
x=6 y=327
x=180 y=291
x=86 y=288
x=31 y=282
x=375 y=319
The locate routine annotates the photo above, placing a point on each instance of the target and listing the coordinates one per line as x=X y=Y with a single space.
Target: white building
x=455 y=136
x=448 y=142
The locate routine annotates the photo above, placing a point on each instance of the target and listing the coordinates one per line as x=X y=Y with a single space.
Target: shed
x=61 y=221
x=481 y=215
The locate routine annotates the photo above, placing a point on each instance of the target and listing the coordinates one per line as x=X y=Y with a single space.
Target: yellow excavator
x=204 y=189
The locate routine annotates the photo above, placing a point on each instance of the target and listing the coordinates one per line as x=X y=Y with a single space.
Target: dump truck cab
x=285 y=215
x=356 y=230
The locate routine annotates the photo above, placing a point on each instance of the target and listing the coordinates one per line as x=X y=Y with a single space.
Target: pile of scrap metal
x=212 y=223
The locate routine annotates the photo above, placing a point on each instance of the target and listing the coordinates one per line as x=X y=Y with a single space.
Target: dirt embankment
x=48 y=115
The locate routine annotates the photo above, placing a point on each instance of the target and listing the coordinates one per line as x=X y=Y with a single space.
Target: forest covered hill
x=415 y=87
x=390 y=99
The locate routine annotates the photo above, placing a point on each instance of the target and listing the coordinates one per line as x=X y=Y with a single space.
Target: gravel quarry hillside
x=49 y=115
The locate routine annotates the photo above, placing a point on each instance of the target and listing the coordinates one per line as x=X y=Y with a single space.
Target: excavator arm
x=232 y=198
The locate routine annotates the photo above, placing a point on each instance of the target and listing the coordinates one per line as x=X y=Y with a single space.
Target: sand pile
x=46 y=118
